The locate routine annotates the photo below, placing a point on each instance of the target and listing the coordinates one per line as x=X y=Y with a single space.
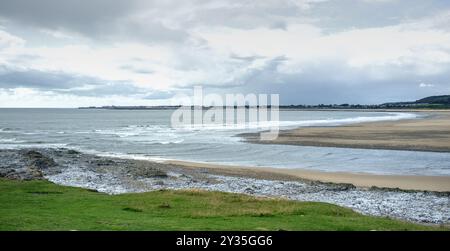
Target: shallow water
x=147 y=134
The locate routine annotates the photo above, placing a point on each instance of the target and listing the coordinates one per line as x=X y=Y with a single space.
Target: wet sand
x=431 y=133
x=404 y=182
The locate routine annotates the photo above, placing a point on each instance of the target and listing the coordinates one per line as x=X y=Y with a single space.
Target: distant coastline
x=428 y=103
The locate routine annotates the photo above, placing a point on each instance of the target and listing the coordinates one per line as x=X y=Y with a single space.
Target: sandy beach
x=430 y=133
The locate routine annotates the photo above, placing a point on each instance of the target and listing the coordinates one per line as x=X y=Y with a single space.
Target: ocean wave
x=120 y=155
x=361 y=119
x=7 y=130
x=10 y=140
x=146 y=134
x=24 y=145
x=299 y=123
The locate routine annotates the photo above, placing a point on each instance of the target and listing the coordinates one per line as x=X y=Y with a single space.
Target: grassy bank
x=41 y=205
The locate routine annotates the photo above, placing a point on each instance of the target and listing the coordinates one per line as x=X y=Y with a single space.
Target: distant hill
x=443 y=99
x=437 y=102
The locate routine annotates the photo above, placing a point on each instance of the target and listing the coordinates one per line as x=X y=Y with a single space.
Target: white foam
x=6 y=130
x=155 y=134
x=28 y=145
x=120 y=155
x=335 y=122
x=10 y=140
x=300 y=123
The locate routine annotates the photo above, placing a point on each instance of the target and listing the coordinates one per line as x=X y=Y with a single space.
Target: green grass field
x=41 y=205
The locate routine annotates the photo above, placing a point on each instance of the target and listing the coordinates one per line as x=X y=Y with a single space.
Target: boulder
x=38 y=160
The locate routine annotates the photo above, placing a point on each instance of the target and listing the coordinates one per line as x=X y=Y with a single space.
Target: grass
x=41 y=205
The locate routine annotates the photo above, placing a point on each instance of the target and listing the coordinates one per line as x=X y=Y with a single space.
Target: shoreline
x=119 y=176
x=362 y=180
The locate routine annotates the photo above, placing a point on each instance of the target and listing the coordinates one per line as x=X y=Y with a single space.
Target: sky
x=74 y=53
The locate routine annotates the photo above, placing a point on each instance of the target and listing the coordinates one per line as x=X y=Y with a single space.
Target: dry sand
x=428 y=134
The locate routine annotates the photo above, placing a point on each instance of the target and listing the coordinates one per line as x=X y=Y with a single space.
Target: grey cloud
x=40 y=79
x=247 y=15
x=65 y=83
x=72 y=14
x=135 y=69
x=351 y=14
x=106 y=89
x=334 y=83
x=156 y=21
x=147 y=20
x=159 y=95
x=22 y=58
x=96 y=19
x=162 y=21
x=146 y=30
x=246 y=58
x=240 y=81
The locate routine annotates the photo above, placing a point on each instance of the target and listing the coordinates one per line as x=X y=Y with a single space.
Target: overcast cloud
x=77 y=53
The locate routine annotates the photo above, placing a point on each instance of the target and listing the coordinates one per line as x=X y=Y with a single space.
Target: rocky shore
x=114 y=175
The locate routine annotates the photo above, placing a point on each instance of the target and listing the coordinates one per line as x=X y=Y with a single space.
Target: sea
x=148 y=135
